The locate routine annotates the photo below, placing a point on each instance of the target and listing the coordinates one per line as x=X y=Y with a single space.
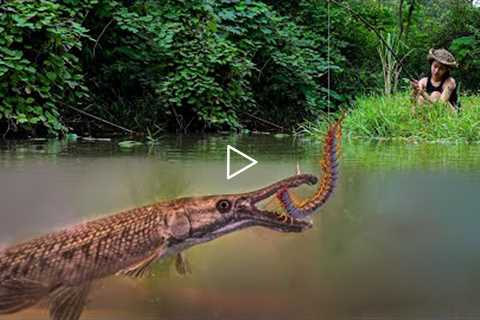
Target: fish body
x=87 y=251
x=62 y=265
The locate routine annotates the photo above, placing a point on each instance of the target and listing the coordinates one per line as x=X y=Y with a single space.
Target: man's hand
x=416 y=86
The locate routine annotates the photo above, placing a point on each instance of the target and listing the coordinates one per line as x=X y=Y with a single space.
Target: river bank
x=391 y=118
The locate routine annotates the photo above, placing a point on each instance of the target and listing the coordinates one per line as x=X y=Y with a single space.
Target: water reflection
x=398 y=240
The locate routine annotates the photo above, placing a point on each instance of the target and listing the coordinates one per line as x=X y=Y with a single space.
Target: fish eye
x=224 y=206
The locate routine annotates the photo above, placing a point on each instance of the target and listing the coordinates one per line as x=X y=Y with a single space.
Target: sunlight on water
x=398 y=240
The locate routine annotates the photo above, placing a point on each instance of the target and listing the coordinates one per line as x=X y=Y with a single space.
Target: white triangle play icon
x=248 y=166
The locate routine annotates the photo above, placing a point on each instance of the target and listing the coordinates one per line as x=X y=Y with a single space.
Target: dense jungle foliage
x=209 y=65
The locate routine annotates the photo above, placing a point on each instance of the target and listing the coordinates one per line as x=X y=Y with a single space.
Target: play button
x=248 y=166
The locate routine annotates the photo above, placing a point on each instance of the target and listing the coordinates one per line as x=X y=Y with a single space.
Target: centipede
x=329 y=165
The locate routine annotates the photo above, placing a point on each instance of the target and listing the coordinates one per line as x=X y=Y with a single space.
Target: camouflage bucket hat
x=442 y=56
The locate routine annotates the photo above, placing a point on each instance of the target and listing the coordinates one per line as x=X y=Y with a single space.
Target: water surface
x=399 y=239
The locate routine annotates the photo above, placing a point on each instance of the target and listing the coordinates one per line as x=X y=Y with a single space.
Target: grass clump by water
x=391 y=117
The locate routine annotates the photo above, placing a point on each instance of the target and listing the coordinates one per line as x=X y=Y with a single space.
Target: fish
x=62 y=265
x=329 y=164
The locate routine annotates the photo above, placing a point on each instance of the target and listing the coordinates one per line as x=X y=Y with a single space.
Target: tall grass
x=391 y=117
x=392 y=67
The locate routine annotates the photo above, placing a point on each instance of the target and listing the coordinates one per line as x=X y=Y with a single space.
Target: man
x=439 y=86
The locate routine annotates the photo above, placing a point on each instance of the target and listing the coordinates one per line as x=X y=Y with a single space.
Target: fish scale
x=91 y=244
x=63 y=264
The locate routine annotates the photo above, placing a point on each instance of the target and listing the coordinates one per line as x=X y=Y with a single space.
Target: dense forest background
x=209 y=65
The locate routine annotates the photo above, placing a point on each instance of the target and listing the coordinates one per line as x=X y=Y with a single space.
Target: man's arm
x=422 y=86
x=448 y=89
x=418 y=87
x=426 y=96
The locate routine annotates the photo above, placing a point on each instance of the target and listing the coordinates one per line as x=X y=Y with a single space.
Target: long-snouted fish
x=62 y=265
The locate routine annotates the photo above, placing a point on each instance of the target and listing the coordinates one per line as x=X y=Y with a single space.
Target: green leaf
x=52 y=76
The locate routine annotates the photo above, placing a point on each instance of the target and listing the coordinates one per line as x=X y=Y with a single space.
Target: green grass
x=391 y=118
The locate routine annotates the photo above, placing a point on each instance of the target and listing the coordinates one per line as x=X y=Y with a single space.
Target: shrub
x=39 y=68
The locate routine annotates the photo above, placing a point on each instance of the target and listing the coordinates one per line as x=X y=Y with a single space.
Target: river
x=398 y=240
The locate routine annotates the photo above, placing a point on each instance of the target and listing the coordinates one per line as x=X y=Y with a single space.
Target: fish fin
x=17 y=294
x=140 y=269
x=182 y=265
x=67 y=303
